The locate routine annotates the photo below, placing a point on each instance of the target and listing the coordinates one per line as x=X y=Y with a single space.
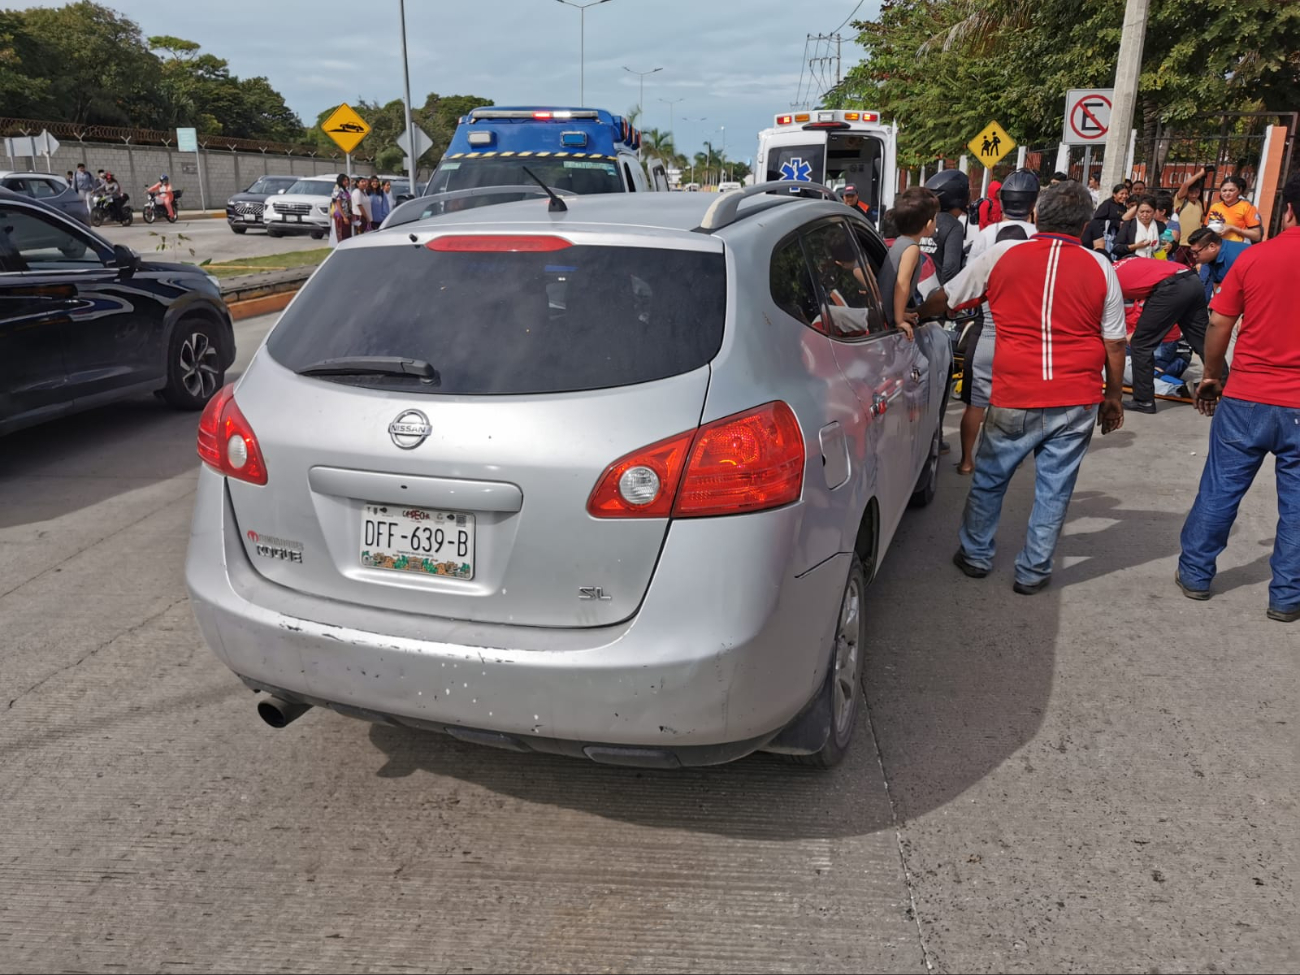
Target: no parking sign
x=1087 y=116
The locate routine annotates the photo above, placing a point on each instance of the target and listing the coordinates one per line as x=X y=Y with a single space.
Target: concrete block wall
x=224 y=172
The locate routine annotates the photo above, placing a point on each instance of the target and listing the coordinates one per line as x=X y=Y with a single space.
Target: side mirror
x=280 y=191
x=125 y=258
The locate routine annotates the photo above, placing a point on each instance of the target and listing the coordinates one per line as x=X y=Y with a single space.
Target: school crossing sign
x=991 y=144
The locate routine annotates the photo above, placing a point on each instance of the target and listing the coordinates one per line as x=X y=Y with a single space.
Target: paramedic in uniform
x=1060 y=322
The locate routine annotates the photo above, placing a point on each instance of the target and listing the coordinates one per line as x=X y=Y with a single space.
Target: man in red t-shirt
x=1257 y=414
x=1172 y=295
x=1060 y=320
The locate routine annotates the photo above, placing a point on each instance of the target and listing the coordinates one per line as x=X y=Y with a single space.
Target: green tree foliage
x=944 y=68
x=86 y=63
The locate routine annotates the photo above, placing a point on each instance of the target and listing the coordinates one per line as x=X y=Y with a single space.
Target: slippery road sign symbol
x=346 y=127
x=991 y=144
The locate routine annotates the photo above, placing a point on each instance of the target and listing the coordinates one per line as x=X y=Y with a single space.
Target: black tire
x=128 y=218
x=273 y=232
x=842 y=691
x=96 y=216
x=929 y=481
x=147 y=213
x=194 y=364
x=318 y=235
x=171 y=218
x=238 y=229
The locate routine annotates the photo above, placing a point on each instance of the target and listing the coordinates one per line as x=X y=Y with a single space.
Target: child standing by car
x=915 y=212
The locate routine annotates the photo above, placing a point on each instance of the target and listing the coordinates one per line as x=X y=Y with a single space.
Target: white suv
x=303 y=209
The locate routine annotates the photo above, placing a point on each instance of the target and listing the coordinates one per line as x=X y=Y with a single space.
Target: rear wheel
x=171 y=218
x=127 y=217
x=842 y=691
x=194 y=365
x=929 y=482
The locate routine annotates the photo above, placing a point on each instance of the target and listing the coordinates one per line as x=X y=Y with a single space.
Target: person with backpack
x=1019 y=194
x=988 y=209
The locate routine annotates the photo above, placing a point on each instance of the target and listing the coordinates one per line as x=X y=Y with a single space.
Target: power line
x=803 y=63
x=848 y=18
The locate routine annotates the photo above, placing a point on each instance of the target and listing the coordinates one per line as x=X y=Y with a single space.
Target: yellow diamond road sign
x=991 y=144
x=346 y=127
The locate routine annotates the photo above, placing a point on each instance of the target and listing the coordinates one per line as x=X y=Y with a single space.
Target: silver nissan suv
x=605 y=476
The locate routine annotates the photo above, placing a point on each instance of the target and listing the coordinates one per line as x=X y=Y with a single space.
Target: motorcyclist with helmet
x=163 y=191
x=952 y=186
x=113 y=190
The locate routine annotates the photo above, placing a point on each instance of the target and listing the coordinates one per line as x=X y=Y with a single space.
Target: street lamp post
x=582 y=57
x=411 y=161
x=640 y=101
x=694 y=119
x=670 y=102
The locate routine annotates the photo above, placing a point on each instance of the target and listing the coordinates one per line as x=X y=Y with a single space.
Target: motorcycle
x=107 y=208
x=154 y=209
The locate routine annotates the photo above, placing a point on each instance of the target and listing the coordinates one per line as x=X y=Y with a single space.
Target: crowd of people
x=358 y=205
x=1062 y=300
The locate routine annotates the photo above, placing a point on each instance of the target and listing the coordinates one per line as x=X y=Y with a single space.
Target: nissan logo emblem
x=410 y=429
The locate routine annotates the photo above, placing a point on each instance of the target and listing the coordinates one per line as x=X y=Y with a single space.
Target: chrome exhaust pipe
x=277 y=712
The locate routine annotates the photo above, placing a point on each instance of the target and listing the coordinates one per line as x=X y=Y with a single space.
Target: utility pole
x=411 y=161
x=828 y=38
x=1127 y=73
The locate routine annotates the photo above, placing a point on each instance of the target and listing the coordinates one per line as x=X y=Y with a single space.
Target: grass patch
x=251 y=265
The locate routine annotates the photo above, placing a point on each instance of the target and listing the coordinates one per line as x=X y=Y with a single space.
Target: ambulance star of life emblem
x=797 y=170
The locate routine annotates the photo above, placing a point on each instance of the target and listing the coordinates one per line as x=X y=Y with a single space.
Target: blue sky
x=735 y=63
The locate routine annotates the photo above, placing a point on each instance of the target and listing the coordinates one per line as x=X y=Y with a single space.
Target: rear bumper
x=724 y=652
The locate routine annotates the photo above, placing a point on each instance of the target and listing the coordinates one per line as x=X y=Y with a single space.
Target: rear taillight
x=491 y=243
x=747 y=462
x=227 y=443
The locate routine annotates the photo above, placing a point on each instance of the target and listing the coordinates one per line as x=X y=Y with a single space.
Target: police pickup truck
x=833 y=147
x=578 y=150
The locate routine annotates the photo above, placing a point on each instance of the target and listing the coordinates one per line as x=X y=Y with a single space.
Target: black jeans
x=1178 y=300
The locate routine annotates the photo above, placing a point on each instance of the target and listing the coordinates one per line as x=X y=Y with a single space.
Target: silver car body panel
x=717 y=629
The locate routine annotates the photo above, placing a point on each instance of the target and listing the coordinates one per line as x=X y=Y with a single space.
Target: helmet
x=1019 y=193
x=952 y=186
x=162 y=178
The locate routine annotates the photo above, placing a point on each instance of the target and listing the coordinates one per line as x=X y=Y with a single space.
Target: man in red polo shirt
x=1172 y=295
x=1256 y=415
x=1060 y=320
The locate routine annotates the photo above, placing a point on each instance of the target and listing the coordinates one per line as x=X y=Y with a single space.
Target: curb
x=252 y=307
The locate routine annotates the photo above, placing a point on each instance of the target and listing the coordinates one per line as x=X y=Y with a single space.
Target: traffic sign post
x=1087 y=116
x=991 y=144
x=187 y=140
x=422 y=145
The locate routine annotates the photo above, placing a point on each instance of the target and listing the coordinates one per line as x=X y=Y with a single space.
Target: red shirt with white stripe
x=1054 y=301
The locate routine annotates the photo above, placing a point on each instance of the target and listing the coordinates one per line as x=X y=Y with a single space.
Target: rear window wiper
x=374 y=365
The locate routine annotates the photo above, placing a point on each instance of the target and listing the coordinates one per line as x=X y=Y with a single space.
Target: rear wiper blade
x=373 y=365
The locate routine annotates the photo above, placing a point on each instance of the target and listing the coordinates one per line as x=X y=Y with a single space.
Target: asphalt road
x=1101 y=777
x=209 y=239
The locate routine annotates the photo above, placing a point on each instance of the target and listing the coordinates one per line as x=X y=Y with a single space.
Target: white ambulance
x=833 y=147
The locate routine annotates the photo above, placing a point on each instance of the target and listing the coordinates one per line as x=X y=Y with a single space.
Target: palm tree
x=656 y=142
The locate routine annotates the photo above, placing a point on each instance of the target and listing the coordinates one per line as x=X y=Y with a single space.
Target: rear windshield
x=584 y=317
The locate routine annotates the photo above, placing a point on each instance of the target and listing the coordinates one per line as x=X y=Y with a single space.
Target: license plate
x=250 y=218
x=423 y=541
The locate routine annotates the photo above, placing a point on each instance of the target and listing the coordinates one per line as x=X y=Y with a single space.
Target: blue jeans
x=1058 y=437
x=1241 y=436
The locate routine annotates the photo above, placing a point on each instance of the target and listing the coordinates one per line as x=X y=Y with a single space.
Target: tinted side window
x=792 y=284
x=848 y=289
x=42 y=189
x=627 y=173
x=44 y=243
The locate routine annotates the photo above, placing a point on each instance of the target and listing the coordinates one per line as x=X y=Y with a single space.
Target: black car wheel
x=928 y=482
x=194 y=365
x=842 y=690
x=273 y=232
x=318 y=235
x=239 y=229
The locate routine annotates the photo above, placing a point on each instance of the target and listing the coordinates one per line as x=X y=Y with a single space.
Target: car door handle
x=879 y=404
x=916 y=374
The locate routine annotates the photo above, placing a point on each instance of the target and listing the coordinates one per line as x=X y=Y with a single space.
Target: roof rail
x=723 y=212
